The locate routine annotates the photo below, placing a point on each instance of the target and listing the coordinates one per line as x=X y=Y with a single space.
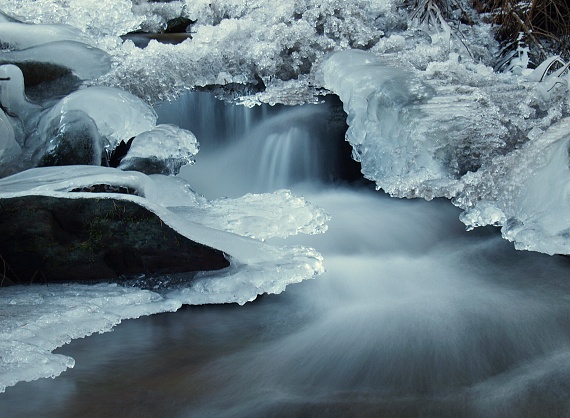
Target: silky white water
x=413 y=317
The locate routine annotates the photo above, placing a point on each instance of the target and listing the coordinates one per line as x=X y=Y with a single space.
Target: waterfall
x=262 y=149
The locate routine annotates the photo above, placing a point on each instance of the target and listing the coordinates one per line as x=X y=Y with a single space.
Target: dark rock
x=178 y=25
x=142 y=39
x=153 y=165
x=73 y=139
x=176 y=31
x=106 y=188
x=49 y=239
x=114 y=158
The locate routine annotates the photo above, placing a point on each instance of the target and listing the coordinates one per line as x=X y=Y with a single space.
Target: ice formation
x=117 y=114
x=36 y=320
x=84 y=61
x=452 y=131
x=260 y=216
x=161 y=150
x=256 y=267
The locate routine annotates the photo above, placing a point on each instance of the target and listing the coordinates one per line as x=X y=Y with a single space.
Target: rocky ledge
x=52 y=239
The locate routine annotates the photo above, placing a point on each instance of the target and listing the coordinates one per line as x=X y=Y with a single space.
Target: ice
x=84 y=61
x=162 y=150
x=9 y=147
x=527 y=193
x=259 y=216
x=34 y=320
x=457 y=129
x=234 y=44
x=17 y=36
x=414 y=133
x=243 y=284
x=12 y=95
x=118 y=115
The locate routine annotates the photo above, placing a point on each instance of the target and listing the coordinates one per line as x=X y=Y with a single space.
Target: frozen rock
x=9 y=147
x=259 y=267
x=162 y=150
x=73 y=139
x=117 y=114
x=84 y=61
x=13 y=97
x=61 y=239
x=17 y=36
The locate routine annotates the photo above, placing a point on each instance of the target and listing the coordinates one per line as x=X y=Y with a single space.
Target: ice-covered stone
x=162 y=150
x=9 y=147
x=71 y=139
x=17 y=36
x=13 y=97
x=84 y=61
x=260 y=267
x=117 y=114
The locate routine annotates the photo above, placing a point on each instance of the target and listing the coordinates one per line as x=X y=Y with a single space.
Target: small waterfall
x=262 y=149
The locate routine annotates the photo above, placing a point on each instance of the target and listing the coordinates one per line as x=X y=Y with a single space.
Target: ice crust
x=36 y=320
x=168 y=144
x=494 y=143
x=259 y=216
x=233 y=42
x=16 y=36
x=84 y=61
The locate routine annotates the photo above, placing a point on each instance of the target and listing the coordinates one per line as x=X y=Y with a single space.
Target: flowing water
x=414 y=317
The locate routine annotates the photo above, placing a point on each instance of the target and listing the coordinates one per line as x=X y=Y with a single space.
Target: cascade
x=261 y=149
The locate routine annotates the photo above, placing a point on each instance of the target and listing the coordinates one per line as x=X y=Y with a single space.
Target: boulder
x=53 y=239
